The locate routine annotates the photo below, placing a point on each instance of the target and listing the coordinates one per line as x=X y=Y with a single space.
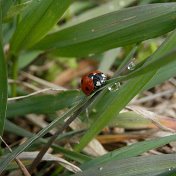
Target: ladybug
x=92 y=81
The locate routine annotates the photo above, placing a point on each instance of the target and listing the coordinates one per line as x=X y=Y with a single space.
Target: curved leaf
x=110 y=104
x=115 y=29
x=136 y=166
x=130 y=151
x=40 y=16
x=43 y=104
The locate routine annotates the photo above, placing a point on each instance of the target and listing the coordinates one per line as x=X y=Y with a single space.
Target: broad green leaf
x=39 y=18
x=135 y=166
x=130 y=151
x=43 y=104
x=111 y=30
x=164 y=58
x=102 y=9
x=110 y=104
x=3 y=81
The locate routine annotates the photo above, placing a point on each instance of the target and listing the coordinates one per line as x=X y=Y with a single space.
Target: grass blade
x=105 y=8
x=40 y=16
x=39 y=104
x=112 y=102
x=130 y=151
x=3 y=80
x=72 y=113
x=115 y=29
x=135 y=166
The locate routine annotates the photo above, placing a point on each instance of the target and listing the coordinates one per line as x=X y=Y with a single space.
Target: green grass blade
x=39 y=18
x=3 y=81
x=40 y=105
x=15 y=129
x=115 y=29
x=169 y=70
x=111 y=103
x=11 y=156
x=130 y=151
x=164 y=58
x=135 y=166
x=103 y=9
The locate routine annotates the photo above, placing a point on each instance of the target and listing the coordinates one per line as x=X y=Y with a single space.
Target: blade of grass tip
x=60 y=130
x=19 y=163
x=3 y=80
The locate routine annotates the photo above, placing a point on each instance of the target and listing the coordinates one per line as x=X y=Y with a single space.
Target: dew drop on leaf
x=131 y=65
x=115 y=87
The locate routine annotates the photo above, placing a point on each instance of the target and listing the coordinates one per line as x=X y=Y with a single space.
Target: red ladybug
x=92 y=81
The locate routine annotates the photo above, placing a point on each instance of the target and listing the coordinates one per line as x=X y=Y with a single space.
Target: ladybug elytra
x=92 y=81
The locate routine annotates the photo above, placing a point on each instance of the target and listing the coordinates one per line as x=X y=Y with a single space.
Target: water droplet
x=131 y=65
x=114 y=87
x=92 y=30
x=101 y=168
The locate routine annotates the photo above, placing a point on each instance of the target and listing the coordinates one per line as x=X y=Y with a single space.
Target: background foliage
x=45 y=48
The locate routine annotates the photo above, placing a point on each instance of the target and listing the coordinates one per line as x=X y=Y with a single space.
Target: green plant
x=31 y=32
